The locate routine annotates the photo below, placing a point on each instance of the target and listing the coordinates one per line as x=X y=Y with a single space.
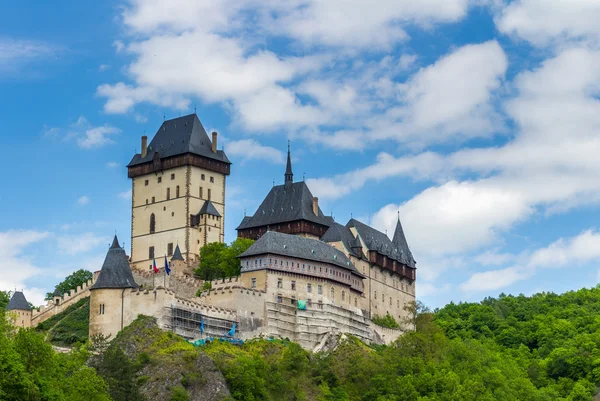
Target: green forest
x=543 y=347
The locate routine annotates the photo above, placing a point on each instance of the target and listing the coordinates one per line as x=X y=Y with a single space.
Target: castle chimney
x=214 y=142
x=316 y=206
x=144 y=145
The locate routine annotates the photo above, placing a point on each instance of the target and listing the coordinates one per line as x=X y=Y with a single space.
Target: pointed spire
x=115 y=243
x=177 y=254
x=401 y=244
x=289 y=175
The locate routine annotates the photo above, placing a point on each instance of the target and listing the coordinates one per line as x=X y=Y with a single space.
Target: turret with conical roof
x=401 y=244
x=115 y=272
x=20 y=309
x=177 y=254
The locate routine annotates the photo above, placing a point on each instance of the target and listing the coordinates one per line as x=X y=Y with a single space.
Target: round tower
x=107 y=307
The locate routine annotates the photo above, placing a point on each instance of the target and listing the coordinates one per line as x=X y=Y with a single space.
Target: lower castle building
x=305 y=278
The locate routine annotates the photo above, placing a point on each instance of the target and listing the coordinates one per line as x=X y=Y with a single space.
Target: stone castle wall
x=183 y=286
x=68 y=299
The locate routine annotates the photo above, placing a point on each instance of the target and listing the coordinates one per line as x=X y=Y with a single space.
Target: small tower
x=57 y=297
x=178 y=265
x=20 y=309
x=107 y=294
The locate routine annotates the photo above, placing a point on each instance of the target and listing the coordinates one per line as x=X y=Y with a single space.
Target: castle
x=306 y=277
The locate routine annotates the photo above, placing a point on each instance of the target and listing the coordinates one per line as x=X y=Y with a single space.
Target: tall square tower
x=178 y=193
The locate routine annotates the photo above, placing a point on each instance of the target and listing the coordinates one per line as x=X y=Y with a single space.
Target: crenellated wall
x=184 y=286
x=59 y=304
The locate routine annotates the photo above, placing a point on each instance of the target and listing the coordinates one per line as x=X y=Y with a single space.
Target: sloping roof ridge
x=18 y=302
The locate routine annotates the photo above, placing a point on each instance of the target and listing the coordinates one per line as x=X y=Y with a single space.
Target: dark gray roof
x=375 y=240
x=401 y=244
x=115 y=272
x=56 y=293
x=18 y=301
x=285 y=203
x=177 y=254
x=179 y=136
x=299 y=247
x=244 y=222
x=209 y=208
x=337 y=233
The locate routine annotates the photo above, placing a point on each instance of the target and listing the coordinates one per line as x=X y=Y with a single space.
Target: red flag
x=155 y=268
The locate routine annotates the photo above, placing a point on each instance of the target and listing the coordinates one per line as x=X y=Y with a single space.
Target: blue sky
x=477 y=120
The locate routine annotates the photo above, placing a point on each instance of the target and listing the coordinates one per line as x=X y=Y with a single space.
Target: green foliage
x=119 y=372
x=71 y=282
x=179 y=394
x=218 y=260
x=386 y=321
x=30 y=370
x=4 y=299
x=540 y=348
x=70 y=326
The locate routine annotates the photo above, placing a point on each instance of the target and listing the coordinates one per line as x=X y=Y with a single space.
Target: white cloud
x=86 y=135
x=542 y=22
x=83 y=200
x=15 y=53
x=571 y=253
x=358 y=23
x=112 y=164
x=103 y=67
x=81 y=243
x=125 y=194
x=249 y=149
x=18 y=266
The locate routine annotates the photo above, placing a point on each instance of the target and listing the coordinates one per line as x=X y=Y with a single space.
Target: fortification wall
x=248 y=303
x=68 y=299
x=384 y=335
x=182 y=285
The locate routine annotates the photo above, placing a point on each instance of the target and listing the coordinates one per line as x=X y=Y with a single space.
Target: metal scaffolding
x=187 y=324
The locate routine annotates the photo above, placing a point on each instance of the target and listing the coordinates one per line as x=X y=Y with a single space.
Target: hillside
x=68 y=327
x=146 y=363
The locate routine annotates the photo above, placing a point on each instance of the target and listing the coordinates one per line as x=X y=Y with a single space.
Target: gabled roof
x=115 y=272
x=375 y=240
x=340 y=233
x=177 y=254
x=18 y=302
x=283 y=204
x=179 y=136
x=300 y=247
x=209 y=208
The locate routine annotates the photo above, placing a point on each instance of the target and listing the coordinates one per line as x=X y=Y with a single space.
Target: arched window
x=152 y=223
x=343 y=296
x=332 y=294
x=177 y=191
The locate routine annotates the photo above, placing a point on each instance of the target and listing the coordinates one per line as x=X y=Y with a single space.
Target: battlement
x=52 y=308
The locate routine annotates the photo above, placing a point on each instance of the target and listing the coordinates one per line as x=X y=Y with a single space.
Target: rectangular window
x=102 y=309
x=320 y=305
x=309 y=302
x=170 y=249
x=201 y=192
x=168 y=193
x=279 y=298
x=151 y=252
x=159 y=180
x=146 y=183
x=202 y=177
x=293 y=300
x=153 y=199
x=212 y=179
x=320 y=289
x=253 y=283
x=279 y=283
x=172 y=176
x=293 y=285
x=308 y=287
x=208 y=193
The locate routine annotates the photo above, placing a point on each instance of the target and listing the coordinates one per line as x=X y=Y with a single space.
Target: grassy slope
x=70 y=326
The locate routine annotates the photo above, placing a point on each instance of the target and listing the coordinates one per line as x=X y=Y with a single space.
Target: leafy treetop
x=71 y=282
x=219 y=260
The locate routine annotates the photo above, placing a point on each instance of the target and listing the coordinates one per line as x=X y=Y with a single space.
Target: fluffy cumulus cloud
x=14 y=245
x=86 y=135
x=545 y=21
x=249 y=149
